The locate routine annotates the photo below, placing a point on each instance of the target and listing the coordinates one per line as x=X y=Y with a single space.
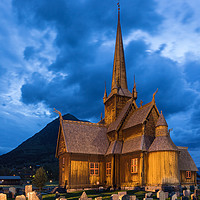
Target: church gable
x=61 y=145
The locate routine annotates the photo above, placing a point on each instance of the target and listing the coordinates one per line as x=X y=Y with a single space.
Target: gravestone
x=186 y=193
x=148 y=195
x=114 y=197
x=20 y=197
x=133 y=197
x=174 y=197
x=83 y=196
x=3 y=196
x=125 y=197
x=166 y=195
x=147 y=198
x=13 y=191
x=193 y=197
x=98 y=198
x=28 y=188
x=178 y=194
x=162 y=195
x=122 y=193
x=32 y=196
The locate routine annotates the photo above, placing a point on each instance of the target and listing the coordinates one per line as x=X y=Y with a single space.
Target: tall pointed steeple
x=119 y=70
x=119 y=94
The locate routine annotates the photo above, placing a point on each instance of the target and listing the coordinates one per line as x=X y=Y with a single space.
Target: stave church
x=130 y=147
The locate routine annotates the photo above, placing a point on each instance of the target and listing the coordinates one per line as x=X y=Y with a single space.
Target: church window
x=188 y=174
x=94 y=168
x=134 y=165
x=108 y=168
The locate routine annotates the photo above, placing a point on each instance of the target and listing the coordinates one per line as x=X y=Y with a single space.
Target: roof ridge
x=144 y=106
x=82 y=122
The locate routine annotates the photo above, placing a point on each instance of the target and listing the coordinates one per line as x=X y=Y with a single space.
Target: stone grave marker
x=28 y=188
x=186 y=193
x=13 y=191
x=98 y=198
x=193 y=197
x=125 y=197
x=3 y=196
x=133 y=197
x=174 y=197
x=148 y=195
x=122 y=193
x=114 y=197
x=32 y=196
x=162 y=195
x=83 y=196
x=147 y=198
x=166 y=195
x=20 y=197
x=178 y=194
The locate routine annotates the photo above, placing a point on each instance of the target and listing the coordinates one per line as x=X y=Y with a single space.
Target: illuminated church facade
x=130 y=147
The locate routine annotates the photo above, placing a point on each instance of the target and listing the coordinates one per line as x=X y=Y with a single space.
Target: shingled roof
x=114 y=125
x=186 y=162
x=161 y=120
x=139 y=115
x=115 y=147
x=85 y=137
x=140 y=143
x=163 y=143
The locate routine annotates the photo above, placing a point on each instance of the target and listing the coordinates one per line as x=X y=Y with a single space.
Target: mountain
x=38 y=150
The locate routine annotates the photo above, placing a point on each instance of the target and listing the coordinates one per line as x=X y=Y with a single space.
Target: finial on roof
x=105 y=92
x=58 y=112
x=141 y=102
x=134 y=92
x=154 y=94
x=161 y=120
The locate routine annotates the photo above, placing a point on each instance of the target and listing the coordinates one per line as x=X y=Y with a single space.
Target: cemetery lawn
x=93 y=194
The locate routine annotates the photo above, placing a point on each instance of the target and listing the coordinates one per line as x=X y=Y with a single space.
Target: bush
x=40 y=178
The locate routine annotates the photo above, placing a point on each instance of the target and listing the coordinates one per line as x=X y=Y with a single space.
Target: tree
x=40 y=178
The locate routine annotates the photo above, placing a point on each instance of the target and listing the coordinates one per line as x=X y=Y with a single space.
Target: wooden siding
x=163 y=168
x=64 y=170
x=61 y=144
x=151 y=123
x=75 y=173
x=188 y=181
x=133 y=132
x=127 y=178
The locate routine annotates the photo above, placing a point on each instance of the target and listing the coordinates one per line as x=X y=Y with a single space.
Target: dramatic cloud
x=60 y=53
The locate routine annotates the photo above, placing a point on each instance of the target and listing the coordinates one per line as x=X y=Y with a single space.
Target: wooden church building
x=130 y=147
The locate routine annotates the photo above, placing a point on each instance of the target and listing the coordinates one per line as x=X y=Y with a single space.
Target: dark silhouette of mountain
x=38 y=149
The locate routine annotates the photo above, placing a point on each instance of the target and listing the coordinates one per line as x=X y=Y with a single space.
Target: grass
x=93 y=194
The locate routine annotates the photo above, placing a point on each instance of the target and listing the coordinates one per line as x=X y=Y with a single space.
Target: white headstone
x=32 y=196
x=166 y=195
x=83 y=196
x=28 y=188
x=133 y=197
x=122 y=193
x=98 y=198
x=114 y=197
x=147 y=198
x=148 y=195
x=20 y=197
x=12 y=190
x=162 y=195
x=174 y=197
x=3 y=196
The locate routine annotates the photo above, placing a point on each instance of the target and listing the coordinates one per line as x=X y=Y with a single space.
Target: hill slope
x=37 y=150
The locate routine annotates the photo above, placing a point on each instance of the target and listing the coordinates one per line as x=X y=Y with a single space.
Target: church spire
x=134 y=92
x=119 y=70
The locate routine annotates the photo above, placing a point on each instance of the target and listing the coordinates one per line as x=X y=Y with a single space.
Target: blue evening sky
x=60 y=53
